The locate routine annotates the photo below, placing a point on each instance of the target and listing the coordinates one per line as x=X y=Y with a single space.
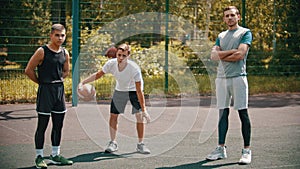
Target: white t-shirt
x=125 y=80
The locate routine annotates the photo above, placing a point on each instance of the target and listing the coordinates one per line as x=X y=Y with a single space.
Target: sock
x=55 y=150
x=39 y=152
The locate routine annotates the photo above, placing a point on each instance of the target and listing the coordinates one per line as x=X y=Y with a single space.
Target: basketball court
x=180 y=136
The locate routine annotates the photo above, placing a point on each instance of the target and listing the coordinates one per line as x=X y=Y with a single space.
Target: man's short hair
x=232 y=7
x=58 y=27
x=124 y=47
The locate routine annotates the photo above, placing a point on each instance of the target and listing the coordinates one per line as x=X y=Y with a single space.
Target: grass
x=21 y=90
x=273 y=84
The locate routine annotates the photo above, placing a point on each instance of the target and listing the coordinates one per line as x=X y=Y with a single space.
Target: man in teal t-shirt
x=231 y=50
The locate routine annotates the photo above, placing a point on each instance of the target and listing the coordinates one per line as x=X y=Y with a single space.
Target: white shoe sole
x=54 y=162
x=40 y=167
x=58 y=163
x=244 y=163
x=214 y=159
x=110 y=151
x=143 y=152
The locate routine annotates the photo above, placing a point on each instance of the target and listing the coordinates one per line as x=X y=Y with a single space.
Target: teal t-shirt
x=231 y=39
x=247 y=39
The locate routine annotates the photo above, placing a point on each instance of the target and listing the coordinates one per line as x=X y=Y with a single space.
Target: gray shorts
x=235 y=88
x=120 y=100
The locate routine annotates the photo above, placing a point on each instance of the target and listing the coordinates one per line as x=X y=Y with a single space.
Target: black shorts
x=120 y=100
x=51 y=98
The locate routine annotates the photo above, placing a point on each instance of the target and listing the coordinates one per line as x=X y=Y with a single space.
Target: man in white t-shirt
x=129 y=86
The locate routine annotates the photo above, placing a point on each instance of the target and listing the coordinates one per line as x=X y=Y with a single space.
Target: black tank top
x=51 y=69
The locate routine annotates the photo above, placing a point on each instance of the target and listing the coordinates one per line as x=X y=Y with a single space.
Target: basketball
x=111 y=52
x=86 y=92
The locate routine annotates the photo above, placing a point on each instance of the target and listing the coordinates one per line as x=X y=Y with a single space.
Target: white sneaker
x=112 y=147
x=218 y=153
x=246 y=156
x=141 y=148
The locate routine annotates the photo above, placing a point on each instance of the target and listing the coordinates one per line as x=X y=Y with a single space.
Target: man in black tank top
x=52 y=63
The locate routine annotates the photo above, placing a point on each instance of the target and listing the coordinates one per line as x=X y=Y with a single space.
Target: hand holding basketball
x=86 y=92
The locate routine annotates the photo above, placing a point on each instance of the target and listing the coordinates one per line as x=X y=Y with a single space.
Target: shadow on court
x=275 y=122
x=89 y=158
x=204 y=164
x=98 y=156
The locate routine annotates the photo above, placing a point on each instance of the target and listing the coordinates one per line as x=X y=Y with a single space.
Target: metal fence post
x=244 y=13
x=274 y=28
x=167 y=49
x=75 y=51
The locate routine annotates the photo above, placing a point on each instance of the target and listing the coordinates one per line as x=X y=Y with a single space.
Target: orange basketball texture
x=86 y=92
x=111 y=52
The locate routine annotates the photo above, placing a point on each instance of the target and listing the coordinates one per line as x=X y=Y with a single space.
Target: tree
x=25 y=25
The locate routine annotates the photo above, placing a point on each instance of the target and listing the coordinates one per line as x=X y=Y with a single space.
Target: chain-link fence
x=186 y=29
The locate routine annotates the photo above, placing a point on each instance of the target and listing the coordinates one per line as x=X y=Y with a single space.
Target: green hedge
x=21 y=90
